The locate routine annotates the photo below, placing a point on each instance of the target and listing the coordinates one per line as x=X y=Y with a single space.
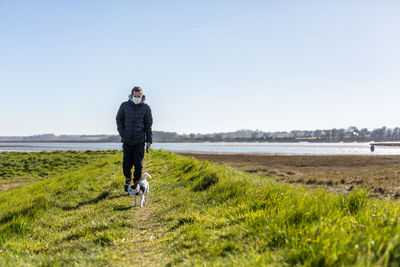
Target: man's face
x=137 y=94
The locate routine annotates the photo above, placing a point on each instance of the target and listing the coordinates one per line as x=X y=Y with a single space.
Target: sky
x=205 y=66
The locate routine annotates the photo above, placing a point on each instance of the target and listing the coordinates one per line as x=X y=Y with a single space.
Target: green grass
x=199 y=213
x=80 y=217
x=26 y=167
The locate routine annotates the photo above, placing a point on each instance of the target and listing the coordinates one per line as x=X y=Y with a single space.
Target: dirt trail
x=4 y=187
x=144 y=250
x=146 y=235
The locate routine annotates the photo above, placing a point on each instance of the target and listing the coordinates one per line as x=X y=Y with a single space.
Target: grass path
x=144 y=250
x=199 y=214
x=80 y=217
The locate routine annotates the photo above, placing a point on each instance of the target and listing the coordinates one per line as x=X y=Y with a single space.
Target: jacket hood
x=142 y=101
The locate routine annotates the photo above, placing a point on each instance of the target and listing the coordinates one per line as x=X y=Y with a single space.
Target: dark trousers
x=133 y=156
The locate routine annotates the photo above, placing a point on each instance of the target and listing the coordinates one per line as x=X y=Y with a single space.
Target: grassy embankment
x=198 y=213
x=21 y=168
x=377 y=174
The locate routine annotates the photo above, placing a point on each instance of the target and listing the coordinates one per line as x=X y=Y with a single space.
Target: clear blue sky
x=205 y=66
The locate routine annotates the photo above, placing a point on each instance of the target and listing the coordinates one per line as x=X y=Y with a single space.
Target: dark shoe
x=126 y=187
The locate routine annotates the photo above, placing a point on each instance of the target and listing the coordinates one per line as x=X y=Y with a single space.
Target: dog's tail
x=145 y=175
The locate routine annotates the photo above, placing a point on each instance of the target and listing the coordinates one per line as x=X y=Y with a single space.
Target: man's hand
x=148 y=147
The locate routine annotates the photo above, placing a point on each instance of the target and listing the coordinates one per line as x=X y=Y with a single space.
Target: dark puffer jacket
x=134 y=122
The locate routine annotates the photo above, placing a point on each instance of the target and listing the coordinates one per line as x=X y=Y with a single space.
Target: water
x=303 y=148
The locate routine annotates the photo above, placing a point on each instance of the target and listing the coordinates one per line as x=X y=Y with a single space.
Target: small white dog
x=142 y=189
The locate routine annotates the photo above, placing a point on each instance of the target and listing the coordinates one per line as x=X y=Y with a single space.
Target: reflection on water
x=303 y=148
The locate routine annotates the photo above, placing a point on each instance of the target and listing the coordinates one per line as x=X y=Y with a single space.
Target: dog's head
x=133 y=190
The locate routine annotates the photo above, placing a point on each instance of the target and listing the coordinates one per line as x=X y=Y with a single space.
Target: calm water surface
x=303 y=148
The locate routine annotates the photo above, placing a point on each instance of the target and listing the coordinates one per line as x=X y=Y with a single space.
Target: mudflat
x=380 y=175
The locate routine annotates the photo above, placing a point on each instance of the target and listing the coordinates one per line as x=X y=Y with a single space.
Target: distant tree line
x=351 y=134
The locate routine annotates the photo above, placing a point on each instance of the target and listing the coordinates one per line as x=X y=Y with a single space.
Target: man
x=134 y=122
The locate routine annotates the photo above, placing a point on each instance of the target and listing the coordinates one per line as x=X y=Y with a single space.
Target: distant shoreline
x=188 y=141
x=57 y=141
x=285 y=148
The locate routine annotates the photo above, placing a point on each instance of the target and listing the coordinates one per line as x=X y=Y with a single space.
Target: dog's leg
x=147 y=194
x=141 y=200
x=135 y=200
